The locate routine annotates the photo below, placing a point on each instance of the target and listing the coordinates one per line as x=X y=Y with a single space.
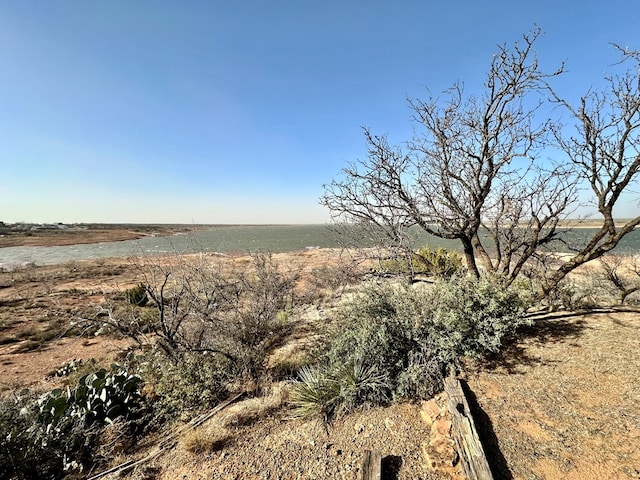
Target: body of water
x=226 y=239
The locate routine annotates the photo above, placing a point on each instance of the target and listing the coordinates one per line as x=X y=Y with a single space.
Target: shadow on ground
x=547 y=330
x=391 y=465
x=488 y=438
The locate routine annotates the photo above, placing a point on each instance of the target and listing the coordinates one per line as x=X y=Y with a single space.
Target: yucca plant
x=336 y=389
x=315 y=394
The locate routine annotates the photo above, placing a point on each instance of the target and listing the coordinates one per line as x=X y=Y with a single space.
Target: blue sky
x=238 y=112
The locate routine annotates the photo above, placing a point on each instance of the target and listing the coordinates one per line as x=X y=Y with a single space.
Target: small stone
x=440 y=454
x=441 y=427
x=429 y=411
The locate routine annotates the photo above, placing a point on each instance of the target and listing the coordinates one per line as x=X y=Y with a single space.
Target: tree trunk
x=469 y=256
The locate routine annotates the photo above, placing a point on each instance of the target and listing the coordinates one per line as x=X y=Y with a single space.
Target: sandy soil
x=564 y=403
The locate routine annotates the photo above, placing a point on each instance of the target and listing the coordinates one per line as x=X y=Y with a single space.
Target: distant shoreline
x=53 y=235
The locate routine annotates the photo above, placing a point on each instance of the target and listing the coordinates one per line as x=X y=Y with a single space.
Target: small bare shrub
x=204 y=305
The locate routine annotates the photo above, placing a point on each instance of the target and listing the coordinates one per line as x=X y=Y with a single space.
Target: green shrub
x=98 y=397
x=30 y=449
x=137 y=296
x=471 y=317
x=440 y=262
x=316 y=393
x=407 y=337
x=184 y=386
x=55 y=435
x=328 y=392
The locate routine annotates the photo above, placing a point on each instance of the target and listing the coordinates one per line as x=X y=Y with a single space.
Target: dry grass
x=205 y=440
x=254 y=409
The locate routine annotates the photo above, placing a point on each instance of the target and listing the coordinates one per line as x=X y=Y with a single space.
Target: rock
x=429 y=411
x=441 y=427
x=441 y=455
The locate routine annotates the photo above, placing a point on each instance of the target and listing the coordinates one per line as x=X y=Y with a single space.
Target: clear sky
x=218 y=111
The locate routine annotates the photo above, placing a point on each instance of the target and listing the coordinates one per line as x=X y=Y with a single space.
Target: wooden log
x=472 y=455
x=372 y=466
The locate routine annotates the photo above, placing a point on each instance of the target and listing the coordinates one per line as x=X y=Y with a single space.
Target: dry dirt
x=564 y=403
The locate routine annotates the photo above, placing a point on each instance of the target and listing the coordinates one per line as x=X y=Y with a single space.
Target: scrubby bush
x=202 y=305
x=410 y=336
x=29 y=450
x=99 y=397
x=471 y=317
x=330 y=391
x=185 y=386
x=441 y=263
x=137 y=296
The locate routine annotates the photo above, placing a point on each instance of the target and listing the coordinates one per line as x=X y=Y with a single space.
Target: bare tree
x=207 y=306
x=604 y=153
x=476 y=170
x=626 y=280
x=471 y=173
x=369 y=206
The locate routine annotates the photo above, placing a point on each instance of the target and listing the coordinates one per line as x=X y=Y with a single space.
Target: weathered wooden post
x=472 y=456
x=372 y=466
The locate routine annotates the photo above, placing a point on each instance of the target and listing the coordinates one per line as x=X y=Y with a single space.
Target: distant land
x=58 y=234
x=25 y=234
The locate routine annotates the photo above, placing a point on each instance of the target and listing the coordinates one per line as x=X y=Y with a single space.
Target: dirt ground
x=563 y=403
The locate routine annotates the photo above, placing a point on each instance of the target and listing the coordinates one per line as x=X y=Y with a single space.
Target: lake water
x=224 y=239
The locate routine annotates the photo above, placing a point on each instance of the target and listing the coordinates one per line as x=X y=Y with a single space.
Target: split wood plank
x=372 y=466
x=472 y=455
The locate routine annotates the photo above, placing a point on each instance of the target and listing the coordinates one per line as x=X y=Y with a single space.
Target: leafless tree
x=625 y=278
x=471 y=173
x=476 y=170
x=604 y=153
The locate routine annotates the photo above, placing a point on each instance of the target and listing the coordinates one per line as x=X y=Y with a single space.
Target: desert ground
x=562 y=403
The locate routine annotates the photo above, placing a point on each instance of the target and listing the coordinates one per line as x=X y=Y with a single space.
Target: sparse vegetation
x=180 y=388
x=137 y=296
x=205 y=441
x=380 y=340
x=440 y=263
